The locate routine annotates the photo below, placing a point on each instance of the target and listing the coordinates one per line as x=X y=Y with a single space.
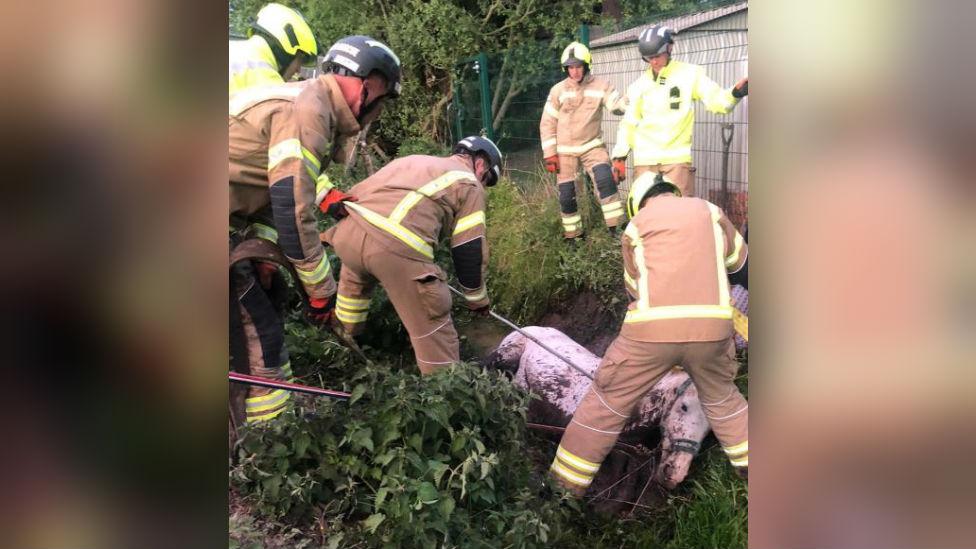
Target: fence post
x=584 y=33
x=458 y=111
x=486 y=115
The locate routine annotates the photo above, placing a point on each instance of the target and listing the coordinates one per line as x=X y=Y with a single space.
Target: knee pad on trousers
x=604 y=180
x=269 y=328
x=567 y=197
x=238 y=340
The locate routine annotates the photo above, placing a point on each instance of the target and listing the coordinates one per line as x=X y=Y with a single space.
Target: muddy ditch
x=584 y=318
x=623 y=485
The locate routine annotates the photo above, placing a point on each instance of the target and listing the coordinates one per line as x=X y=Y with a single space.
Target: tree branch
x=511 y=23
x=491 y=10
x=501 y=81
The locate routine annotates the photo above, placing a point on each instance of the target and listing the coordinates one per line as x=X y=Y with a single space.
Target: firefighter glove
x=320 y=309
x=332 y=204
x=552 y=164
x=619 y=169
x=265 y=271
x=741 y=89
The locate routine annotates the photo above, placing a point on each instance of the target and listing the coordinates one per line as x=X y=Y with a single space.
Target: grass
x=531 y=267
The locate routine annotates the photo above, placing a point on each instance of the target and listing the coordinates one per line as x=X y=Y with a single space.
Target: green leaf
x=416 y=443
x=373 y=522
x=301 y=444
x=437 y=470
x=335 y=540
x=458 y=443
x=380 y=497
x=271 y=486
x=446 y=507
x=427 y=493
x=363 y=439
x=357 y=393
x=279 y=450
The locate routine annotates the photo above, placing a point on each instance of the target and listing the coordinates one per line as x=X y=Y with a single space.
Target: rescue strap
x=529 y=336
x=684 y=444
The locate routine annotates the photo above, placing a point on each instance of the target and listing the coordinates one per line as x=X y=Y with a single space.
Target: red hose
x=275 y=384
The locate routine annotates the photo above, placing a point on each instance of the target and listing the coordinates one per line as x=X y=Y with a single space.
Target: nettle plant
x=408 y=461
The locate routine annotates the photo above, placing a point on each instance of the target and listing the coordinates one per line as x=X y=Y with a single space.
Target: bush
x=422 y=145
x=406 y=462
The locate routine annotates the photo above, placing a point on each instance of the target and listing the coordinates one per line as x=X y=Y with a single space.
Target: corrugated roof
x=676 y=23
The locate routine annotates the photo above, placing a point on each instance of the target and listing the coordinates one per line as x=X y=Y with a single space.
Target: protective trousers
x=257 y=347
x=596 y=163
x=628 y=371
x=417 y=290
x=682 y=175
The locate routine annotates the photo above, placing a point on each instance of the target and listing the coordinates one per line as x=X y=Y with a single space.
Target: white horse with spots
x=672 y=405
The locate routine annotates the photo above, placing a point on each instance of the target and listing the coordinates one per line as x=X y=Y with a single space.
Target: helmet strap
x=281 y=57
x=353 y=90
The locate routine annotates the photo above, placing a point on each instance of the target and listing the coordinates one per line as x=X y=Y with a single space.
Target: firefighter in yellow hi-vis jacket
x=571 y=136
x=677 y=254
x=660 y=115
x=280 y=43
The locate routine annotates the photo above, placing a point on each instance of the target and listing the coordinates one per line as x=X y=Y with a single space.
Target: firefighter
x=660 y=114
x=400 y=214
x=280 y=42
x=677 y=254
x=571 y=135
x=281 y=138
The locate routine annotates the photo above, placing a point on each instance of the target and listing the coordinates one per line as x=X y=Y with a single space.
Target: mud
x=585 y=319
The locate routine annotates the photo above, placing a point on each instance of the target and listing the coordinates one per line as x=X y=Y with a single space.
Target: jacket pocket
x=434 y=295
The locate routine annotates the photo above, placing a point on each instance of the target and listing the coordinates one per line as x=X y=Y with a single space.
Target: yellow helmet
x=574 y=53
x=287 y=31
x=642 y=187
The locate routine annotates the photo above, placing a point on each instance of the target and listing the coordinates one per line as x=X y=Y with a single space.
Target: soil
x=585 y=319
x=582 y=317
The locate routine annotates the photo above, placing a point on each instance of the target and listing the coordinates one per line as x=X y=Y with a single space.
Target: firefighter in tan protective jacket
x=677 y=253
x=571 y=135
x=281 y=137
x=400 y=214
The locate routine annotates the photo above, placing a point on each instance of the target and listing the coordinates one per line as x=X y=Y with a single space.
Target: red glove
x=266 y=271
x=552 y=163
x=320 y=310
x=332 y=203
x=619 y=169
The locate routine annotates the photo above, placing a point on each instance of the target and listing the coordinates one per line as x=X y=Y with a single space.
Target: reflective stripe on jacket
x=413 y=202
x=572 y=116
x=281 y=137
x=677 y=253
x=660 y=116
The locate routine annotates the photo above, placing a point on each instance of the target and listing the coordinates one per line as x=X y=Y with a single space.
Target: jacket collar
x=582 y=83
x=665 y=72
x=345 y=121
